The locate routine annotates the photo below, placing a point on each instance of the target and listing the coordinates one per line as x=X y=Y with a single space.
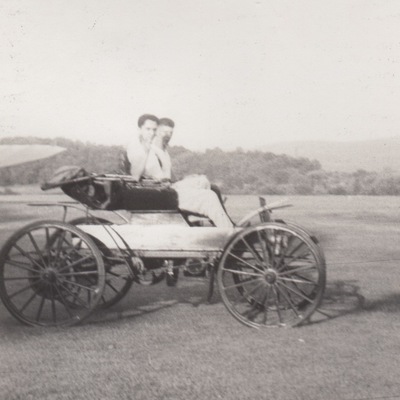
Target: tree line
x=236 y=172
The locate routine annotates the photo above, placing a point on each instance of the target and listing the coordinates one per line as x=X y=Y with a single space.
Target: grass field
x=168 y=343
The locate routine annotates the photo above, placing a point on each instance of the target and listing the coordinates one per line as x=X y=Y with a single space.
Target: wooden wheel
x=119 y=277
x=51 y=274
x=271 y=275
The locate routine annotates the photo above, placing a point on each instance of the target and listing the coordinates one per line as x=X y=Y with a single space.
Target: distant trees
x=236 y=172
x=247 y=172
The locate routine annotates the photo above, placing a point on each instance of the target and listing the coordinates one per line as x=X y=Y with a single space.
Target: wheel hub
x=270 y=276
x=49 y=275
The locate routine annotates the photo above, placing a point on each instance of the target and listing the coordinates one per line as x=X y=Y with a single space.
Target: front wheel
x=51 y=274
x=271 y=275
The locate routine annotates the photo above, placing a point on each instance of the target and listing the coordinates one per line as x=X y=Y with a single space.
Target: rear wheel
x=271 y=275
x=51 y=274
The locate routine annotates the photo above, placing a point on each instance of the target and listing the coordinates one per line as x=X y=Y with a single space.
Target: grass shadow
x=341 y=298
x=147 y=300
x=388 y=304
x=344 y=297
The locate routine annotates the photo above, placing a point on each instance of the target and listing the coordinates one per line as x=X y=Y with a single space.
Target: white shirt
x=153 y=163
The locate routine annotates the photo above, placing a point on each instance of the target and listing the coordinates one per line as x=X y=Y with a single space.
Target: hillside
x=371 y=155
x=236 y=172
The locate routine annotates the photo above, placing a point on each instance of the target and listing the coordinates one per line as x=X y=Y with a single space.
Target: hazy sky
x=230 y=73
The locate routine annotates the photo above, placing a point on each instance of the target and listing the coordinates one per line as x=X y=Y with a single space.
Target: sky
x=231 y=73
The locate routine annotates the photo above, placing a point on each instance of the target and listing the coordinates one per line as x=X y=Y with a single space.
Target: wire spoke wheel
x=119 y=278
x=51 y=274
x=272 y=275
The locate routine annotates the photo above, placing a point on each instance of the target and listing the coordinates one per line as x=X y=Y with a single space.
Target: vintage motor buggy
x=56 y=273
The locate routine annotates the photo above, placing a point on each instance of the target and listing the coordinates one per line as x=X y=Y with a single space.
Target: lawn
x=167 y=343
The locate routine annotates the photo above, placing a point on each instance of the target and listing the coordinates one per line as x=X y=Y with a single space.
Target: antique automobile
x=56 y=273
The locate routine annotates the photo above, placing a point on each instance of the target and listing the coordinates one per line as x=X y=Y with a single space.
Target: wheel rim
x=51 y=274
x=271 y=275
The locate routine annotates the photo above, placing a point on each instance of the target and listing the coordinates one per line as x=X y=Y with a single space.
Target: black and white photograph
x=199 y=199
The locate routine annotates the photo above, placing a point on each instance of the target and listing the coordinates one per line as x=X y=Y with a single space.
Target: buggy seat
x=113 y=192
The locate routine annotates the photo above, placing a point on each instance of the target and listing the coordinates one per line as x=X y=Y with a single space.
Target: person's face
x=148 y=130
x=164 y=134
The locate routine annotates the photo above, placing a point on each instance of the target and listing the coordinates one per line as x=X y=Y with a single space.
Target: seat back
x=134 y=197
